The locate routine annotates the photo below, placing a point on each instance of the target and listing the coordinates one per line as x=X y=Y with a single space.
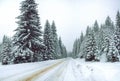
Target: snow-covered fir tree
x=55 y=39
x=87 y=30
x=106 y=35
x=96 y=27
x=83 y=43
x=76 y=47
x=48 y=41
x=113 y=54
x=100 y=38
x=61 y=47
x=109 y=23
x=27 y=38
x=6 y=50
x=105 y=48
x=91 y=48
x=81 y=37
x=0 y=52
x=63 y=50
x=117 y=33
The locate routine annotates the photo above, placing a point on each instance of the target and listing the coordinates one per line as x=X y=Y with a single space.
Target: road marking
x=40 y=72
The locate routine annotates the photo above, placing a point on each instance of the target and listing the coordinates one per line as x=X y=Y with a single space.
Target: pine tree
x=87 y=30
x=91 y=49
x=1 y=46
x=55 y=40
x=113 y=55
x=105 y=48
x=80 y=41
x=117 y=33
x=96 y=26
x=63 y=50
x=28 y=34
x=6 y=51
x=60 y=45
x=101 y=40
x=48 y=41
x=81 y=37
x=76 y=47
x=83 y=44
x=109 y=23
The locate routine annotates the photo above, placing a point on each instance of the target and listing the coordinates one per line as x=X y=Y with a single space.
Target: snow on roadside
x=13 y=72
x=99 y=71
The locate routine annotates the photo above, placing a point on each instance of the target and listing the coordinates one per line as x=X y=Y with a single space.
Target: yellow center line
x=40 y=72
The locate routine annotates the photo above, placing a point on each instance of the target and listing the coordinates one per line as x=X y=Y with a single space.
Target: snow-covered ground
x=61 y=70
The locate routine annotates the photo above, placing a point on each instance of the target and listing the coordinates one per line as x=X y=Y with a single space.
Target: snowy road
x=61 y=70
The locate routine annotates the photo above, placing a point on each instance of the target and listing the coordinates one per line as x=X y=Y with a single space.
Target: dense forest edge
x=100 y=43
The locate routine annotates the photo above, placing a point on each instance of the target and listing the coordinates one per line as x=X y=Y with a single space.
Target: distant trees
x=77 y=46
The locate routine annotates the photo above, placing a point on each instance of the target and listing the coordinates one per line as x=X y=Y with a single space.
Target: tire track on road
x=59 y=75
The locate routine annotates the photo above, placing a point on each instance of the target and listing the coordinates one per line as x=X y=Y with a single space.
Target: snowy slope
x=61 y=70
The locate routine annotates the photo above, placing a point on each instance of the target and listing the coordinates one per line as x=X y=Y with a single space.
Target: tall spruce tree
x=91 y=49
x=55 y=39
x=101 y=40
x=87 y=30
x=109 y=23
x=76 y=48
x=113 y=55
x=63 y=50
x=117 y=33
x=96 y=26
x=6 y=50
x=80 y=41
x=27 y=38
x=48 y=41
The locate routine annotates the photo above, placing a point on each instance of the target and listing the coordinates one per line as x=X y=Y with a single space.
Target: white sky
x=71 y=16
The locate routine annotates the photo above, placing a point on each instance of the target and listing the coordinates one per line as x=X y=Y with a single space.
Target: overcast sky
x=70 y=16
